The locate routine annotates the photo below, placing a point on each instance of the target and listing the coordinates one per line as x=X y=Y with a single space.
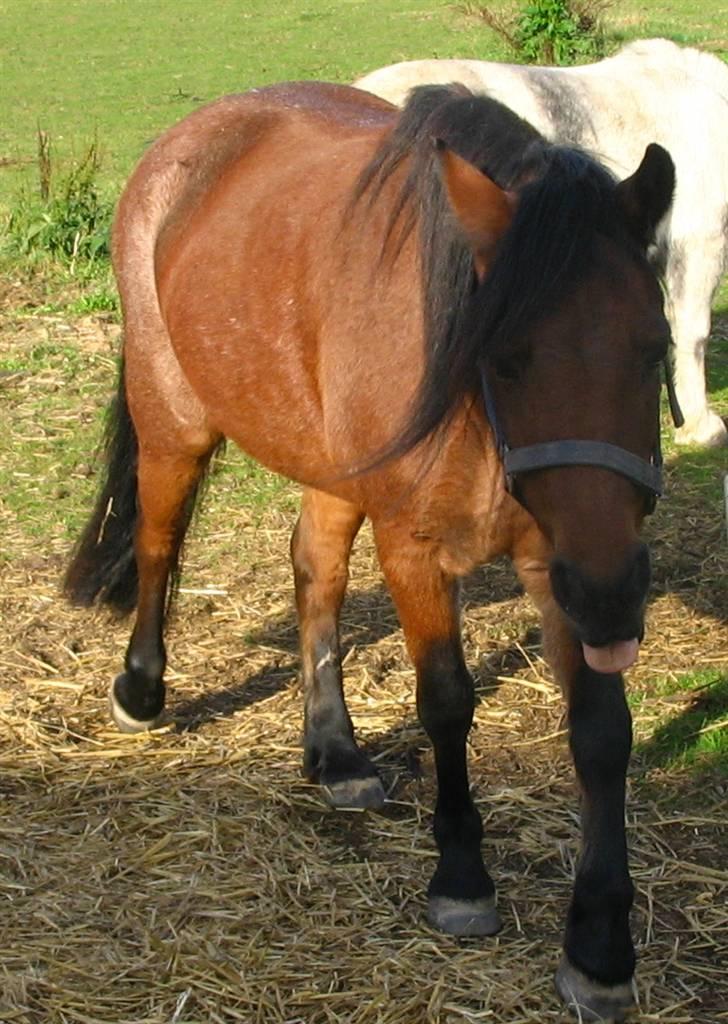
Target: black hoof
x=355 y=794
x=126 y=721
x=590 y=1000
x=464 y=917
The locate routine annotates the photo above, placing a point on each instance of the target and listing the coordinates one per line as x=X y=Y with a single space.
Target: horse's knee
x=445 y=692
x=600 y=729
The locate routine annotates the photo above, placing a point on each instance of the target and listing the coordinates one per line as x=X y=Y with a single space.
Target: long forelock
x=550 y=246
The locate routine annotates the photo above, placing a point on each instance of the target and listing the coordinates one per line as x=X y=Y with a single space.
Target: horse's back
x=650 y=90
x=503 y=82
x=670 y=61
x=261 y=136
x=185 y=161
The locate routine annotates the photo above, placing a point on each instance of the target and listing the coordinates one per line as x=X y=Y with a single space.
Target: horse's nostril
x=567 y=587
x=638 y=580
x=603 y=611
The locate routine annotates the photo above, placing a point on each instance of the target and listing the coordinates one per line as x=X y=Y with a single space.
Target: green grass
x=126 y=69
x=102 y=300
x=50 y=441
x=683 y=21
x=244 y=482
x=96 y=300
x=699 y=469
x=693 y=732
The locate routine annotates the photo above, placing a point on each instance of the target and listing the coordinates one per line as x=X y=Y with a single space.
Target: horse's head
x=573 y=337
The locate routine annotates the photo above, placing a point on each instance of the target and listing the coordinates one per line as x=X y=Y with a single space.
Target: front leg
x=595 y=975
x=461 y=895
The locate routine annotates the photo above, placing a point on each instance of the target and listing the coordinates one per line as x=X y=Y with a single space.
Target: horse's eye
x=507 y=369
x=511 y=366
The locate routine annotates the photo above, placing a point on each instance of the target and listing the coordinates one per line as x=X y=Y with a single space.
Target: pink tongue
x=613 y=657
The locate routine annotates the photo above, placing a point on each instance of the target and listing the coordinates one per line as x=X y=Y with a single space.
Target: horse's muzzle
x=607 y=615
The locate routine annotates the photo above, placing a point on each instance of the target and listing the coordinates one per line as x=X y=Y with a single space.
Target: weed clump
x=561 y=31
x=549 y=31
x=68 y=220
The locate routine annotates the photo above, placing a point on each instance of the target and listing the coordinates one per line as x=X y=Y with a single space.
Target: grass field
x=77 y=68
x=191 y=876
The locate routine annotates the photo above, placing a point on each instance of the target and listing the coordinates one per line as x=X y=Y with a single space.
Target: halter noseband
x=547 y=455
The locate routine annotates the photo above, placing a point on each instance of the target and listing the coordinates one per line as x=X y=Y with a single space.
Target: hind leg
x=166 y=491
x=320 y=550
x=693 y=274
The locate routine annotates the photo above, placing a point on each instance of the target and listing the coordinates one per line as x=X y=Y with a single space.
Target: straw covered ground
x=192 y=876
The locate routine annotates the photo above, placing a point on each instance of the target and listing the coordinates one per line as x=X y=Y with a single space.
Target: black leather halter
x=547 y=455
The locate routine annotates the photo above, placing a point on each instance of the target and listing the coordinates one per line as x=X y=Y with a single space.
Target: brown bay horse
x=438 y=320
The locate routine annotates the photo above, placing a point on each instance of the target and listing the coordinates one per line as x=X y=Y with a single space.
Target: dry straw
x=192 y=876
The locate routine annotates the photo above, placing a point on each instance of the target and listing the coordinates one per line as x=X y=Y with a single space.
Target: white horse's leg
x=693 y=272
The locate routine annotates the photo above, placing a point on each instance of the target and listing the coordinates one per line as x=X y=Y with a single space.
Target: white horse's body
x=651 y=91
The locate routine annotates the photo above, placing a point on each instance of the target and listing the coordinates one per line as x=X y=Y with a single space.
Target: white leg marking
x=328 y=659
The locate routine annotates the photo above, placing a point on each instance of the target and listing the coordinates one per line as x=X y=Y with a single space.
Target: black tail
x=103 y=567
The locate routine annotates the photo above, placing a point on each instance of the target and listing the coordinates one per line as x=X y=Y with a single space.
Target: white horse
x=650 y=91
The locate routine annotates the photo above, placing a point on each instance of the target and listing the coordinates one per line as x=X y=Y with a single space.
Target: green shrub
x=547 y=31
x=560 y=32
x=68 y=221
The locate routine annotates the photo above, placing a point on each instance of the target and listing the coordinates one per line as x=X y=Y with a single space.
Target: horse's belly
x=255 y=392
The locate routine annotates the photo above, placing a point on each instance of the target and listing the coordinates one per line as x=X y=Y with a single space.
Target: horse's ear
x=483 y=210
x=645 y=197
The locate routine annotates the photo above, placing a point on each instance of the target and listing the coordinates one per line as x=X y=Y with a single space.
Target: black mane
x=566 y=198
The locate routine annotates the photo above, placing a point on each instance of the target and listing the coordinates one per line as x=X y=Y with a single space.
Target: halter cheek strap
x=550 y=454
